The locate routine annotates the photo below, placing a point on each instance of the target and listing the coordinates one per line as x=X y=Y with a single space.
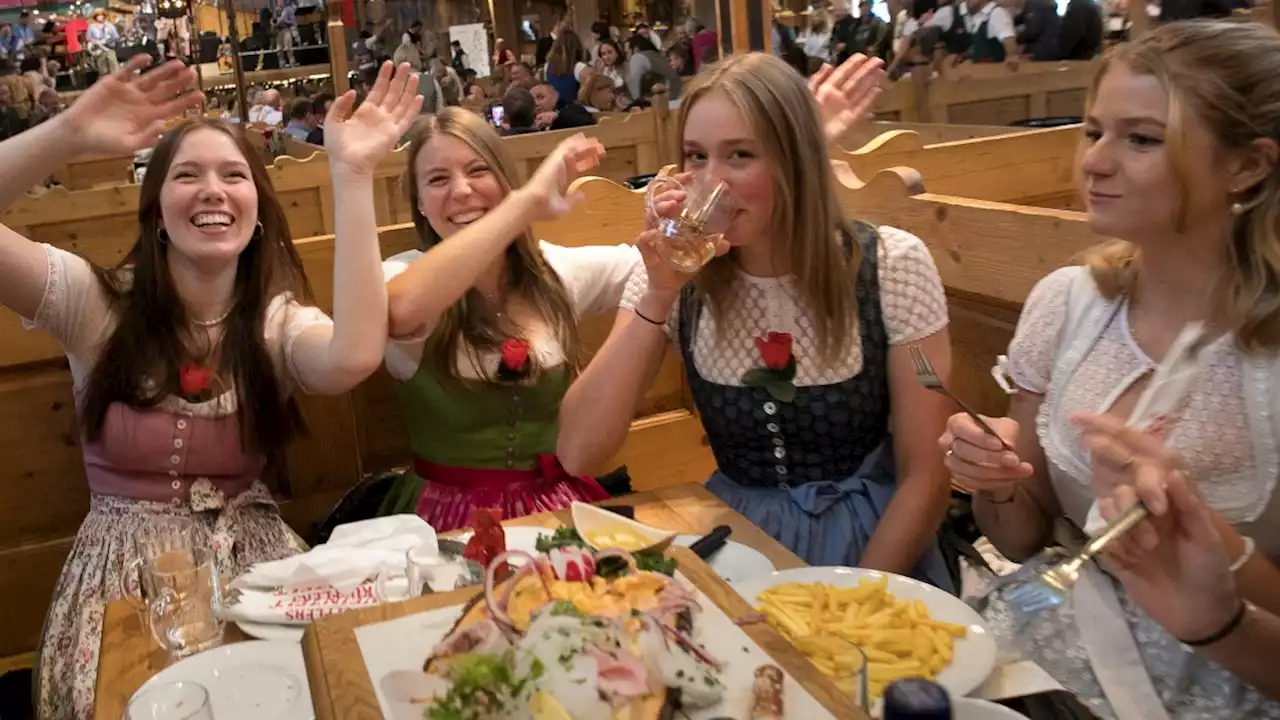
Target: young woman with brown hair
x=1179 y=164
x=184 y=357
x=836 y=461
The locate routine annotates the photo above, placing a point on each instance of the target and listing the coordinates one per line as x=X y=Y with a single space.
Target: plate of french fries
x=904 y=628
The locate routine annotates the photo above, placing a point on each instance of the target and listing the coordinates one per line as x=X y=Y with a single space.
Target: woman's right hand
x=978 y=461
x=664 y=279
x=548 y=189
x=125 y=112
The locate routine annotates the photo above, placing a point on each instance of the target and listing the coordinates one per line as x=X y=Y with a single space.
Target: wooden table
x=129 y=657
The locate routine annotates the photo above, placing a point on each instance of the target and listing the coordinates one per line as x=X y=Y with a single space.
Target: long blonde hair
x=1226 y=74
x=529 y=276
x=806 y=225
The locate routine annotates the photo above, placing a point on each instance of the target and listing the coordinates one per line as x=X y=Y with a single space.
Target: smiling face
x=455 y=185
x=521 y=76
x=1129 y=179
x=608 y=55
x=719 y=145
x=209 y=203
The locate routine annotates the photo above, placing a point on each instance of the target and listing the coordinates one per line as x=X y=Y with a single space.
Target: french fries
x=828 y=624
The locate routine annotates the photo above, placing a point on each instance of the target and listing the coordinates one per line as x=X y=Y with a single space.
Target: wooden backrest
x=992 y=94
x=1027 y=167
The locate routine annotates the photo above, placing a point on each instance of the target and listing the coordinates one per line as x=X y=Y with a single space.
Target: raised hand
x=977 y=461
x=126 y=111
x=847 y=94
x=358 y=140
x=549 y=186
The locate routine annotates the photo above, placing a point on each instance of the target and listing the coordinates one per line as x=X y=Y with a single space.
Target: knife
x=709 y=544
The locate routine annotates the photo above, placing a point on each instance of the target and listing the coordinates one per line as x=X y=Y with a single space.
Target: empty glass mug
x=162 y=543
x=185 y=611
x=688 y=239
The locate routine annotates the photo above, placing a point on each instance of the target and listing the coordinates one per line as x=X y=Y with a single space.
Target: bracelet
x=646 y=318
x=1249 y=547
x=1232 y=625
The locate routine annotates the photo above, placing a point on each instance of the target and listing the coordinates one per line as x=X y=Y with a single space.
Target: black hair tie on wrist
x=1232 y=625
x=646 y=318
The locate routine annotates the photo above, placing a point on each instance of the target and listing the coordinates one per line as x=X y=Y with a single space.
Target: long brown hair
x=807 y=225
x=566 y=52
x=149 y=339
x=1225 y=74
x=529 y=276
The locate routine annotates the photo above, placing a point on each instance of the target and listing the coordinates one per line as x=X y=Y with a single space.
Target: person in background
x=48 y=105
x=364 y=54
x=834 y=462
x=543 y=48
x=648 y=33
x=816 y=38
x=565 y=63
x=268 y=110
x=484 y=323
x=872 y=36
x=33 y=71
x=101 y=39
x=600 y=33
x=646 y=59
x=299 y=124
x=7 y=40
x=611 y=62
x=522 y=75
x=447 y=80
x=705 y=44
x=680 y=58
x=20 y=97
x=408 y=52
x=503 y=59
x=24 y=34
x=558 y=113
x=475 y=93
x=186 y=355
x=1179 y=163
x=598 y=94
x=1038 y=28
x=843 y=31
x=458 y=58
x=320 y=105
x=1080 y=34
x=286 y=23
x=992 y=37
x=11 y=122
x=429 y=89
x=1176 y=566
x=519 y=111
x=413 y=36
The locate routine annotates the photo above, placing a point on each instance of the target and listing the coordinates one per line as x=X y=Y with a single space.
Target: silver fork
x=929 y=378
x=1051 y=587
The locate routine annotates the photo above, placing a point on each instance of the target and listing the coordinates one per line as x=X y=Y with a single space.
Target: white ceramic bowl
x=590 y=521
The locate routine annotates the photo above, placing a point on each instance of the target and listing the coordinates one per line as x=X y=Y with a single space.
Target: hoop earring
x=259 y=231
x=164 y=236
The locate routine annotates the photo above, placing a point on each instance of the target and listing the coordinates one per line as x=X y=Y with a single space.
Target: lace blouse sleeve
x=74 y=309
x=286 y=320
x=637 y=284
x=911 y=294
x=403 y=355
x=1035 y=343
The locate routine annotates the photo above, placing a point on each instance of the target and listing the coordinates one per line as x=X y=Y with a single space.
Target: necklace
x=214 y=322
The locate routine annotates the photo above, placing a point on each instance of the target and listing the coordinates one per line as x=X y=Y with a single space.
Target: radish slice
x=498 y=611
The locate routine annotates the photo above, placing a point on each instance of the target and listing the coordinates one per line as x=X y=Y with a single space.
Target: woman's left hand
x=357 y=141
x=1175 y=565
x=847 y=94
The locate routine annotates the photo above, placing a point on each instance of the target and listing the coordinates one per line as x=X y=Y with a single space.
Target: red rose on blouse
x=515 y=353
x=193 y=378
x=775 y=350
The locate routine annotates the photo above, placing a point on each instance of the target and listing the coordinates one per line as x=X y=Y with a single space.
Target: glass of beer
x=185 y=612
x=689 y=237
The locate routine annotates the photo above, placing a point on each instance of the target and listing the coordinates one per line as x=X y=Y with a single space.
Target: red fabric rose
x=775 y=350
x=515 y=354
x=193 y=378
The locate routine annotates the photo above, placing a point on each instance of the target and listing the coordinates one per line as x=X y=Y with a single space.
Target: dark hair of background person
x=519 y=109
x=299 y=109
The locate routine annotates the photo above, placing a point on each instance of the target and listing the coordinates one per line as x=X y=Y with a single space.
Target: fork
x=929 y=378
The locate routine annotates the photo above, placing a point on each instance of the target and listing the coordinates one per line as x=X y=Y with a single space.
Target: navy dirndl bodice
x=827 y=431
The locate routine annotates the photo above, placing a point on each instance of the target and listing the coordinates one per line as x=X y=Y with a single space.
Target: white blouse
x=912 y=301
x=594 y=276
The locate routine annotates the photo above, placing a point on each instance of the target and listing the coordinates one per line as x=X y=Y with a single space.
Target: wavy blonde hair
x=1226 y=75
x=529 y=275
x=806 y=224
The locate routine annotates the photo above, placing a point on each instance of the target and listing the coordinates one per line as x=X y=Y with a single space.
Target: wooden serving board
x=342 y=689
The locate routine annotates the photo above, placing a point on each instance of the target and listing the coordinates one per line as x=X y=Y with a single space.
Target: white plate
x=264 y=631
x=734 y=562
x=975 y=654
x=254 y=680
x=975 y=709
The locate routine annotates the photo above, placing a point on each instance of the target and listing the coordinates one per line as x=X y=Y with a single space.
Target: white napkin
x=302 y=605
x=355 y=553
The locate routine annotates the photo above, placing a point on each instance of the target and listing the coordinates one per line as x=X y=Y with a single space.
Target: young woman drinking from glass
x=1179 y=164
x=183 y=360
x=833 y=455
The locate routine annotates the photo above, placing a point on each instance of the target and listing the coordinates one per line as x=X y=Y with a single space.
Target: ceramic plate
x=975 y=654
x=254 y=680
x=975 y=709
x=264 y=631
x=734 y=562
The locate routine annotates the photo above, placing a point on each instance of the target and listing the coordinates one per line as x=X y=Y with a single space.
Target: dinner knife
x=709 y=544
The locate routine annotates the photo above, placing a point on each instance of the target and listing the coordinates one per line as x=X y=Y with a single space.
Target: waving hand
x=846 y=94
x=357 y=140
x=126 y=111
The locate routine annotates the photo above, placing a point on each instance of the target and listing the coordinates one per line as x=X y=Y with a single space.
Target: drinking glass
x=161 y=543
x=689 y=238
x=427 y=572
x=185 y=613
x=171 y=701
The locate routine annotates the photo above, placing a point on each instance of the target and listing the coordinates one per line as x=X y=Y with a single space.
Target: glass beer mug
x=688 y=240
